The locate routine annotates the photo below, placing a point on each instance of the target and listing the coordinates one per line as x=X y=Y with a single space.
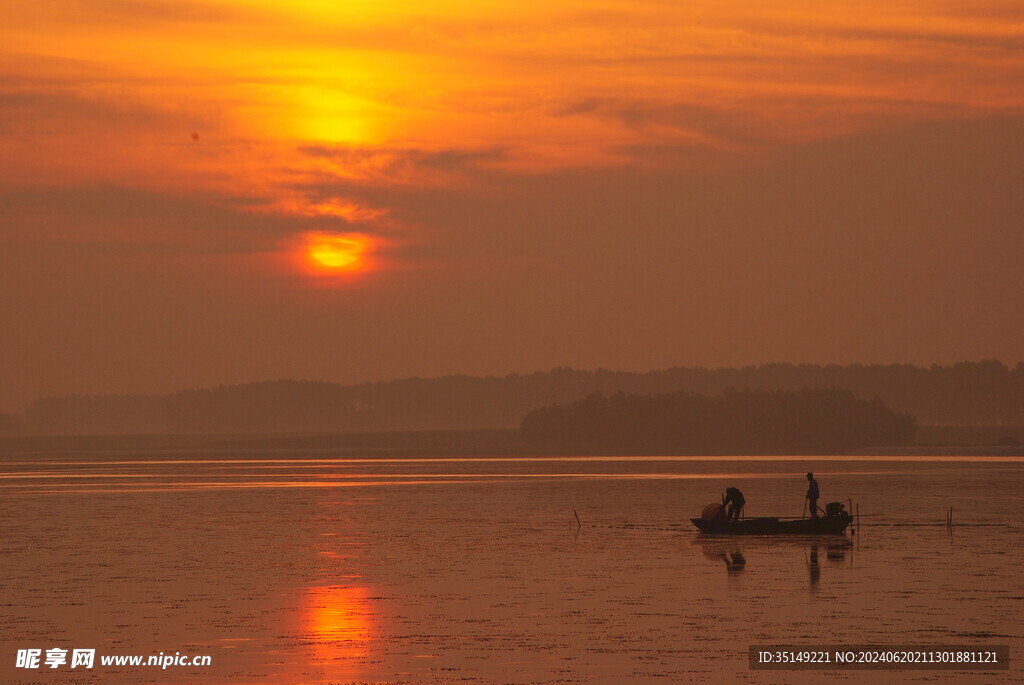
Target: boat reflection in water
x=339 y=627
x=733 y=551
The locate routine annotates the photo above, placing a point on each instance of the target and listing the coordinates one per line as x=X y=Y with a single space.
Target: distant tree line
x=809 y=421
x=984 y=393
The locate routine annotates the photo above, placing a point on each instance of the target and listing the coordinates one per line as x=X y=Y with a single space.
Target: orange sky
x=234 y=131
x=111 y=90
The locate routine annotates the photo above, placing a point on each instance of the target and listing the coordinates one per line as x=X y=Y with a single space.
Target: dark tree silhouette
x=808 y=421
x=984 y=393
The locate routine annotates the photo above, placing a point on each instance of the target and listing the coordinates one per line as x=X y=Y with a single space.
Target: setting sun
x=338 y=252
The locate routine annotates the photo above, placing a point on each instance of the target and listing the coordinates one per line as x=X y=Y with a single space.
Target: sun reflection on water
x=338 y=622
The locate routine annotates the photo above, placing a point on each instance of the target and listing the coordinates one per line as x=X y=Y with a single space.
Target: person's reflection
x=735 y=562
x=728 y=552
x=813 y=567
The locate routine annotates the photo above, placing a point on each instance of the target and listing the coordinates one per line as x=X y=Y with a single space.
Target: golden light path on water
x=337 y=620
x=449 y=479
x=629 y=459
x=180 y=475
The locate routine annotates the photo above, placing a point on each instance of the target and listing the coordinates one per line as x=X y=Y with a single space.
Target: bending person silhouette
x=733 y=503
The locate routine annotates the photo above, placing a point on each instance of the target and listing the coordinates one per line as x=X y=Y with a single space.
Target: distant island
x=985 y=394
x=809 y=421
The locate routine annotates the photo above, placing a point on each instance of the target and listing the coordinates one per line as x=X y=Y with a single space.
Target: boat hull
x=831 y=525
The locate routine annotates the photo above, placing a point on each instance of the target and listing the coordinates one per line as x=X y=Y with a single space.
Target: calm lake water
x=296 y=568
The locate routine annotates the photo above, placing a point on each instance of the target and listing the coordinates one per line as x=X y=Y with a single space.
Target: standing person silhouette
x=813 y=494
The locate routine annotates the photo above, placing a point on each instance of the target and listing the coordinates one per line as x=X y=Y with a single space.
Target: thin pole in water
x=578 y=524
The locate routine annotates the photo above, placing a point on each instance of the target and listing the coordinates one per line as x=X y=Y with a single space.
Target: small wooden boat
x=768 y=525
x=714 y=521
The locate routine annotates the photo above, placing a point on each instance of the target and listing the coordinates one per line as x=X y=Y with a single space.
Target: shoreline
x=481 y=443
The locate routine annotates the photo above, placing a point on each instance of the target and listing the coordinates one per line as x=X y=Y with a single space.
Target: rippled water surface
x=301 y=568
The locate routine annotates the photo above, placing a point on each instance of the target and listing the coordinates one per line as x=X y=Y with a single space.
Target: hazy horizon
x=263 y=381
x=982 y=394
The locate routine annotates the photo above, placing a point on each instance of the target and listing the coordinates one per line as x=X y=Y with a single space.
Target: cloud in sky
x=554 y=84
